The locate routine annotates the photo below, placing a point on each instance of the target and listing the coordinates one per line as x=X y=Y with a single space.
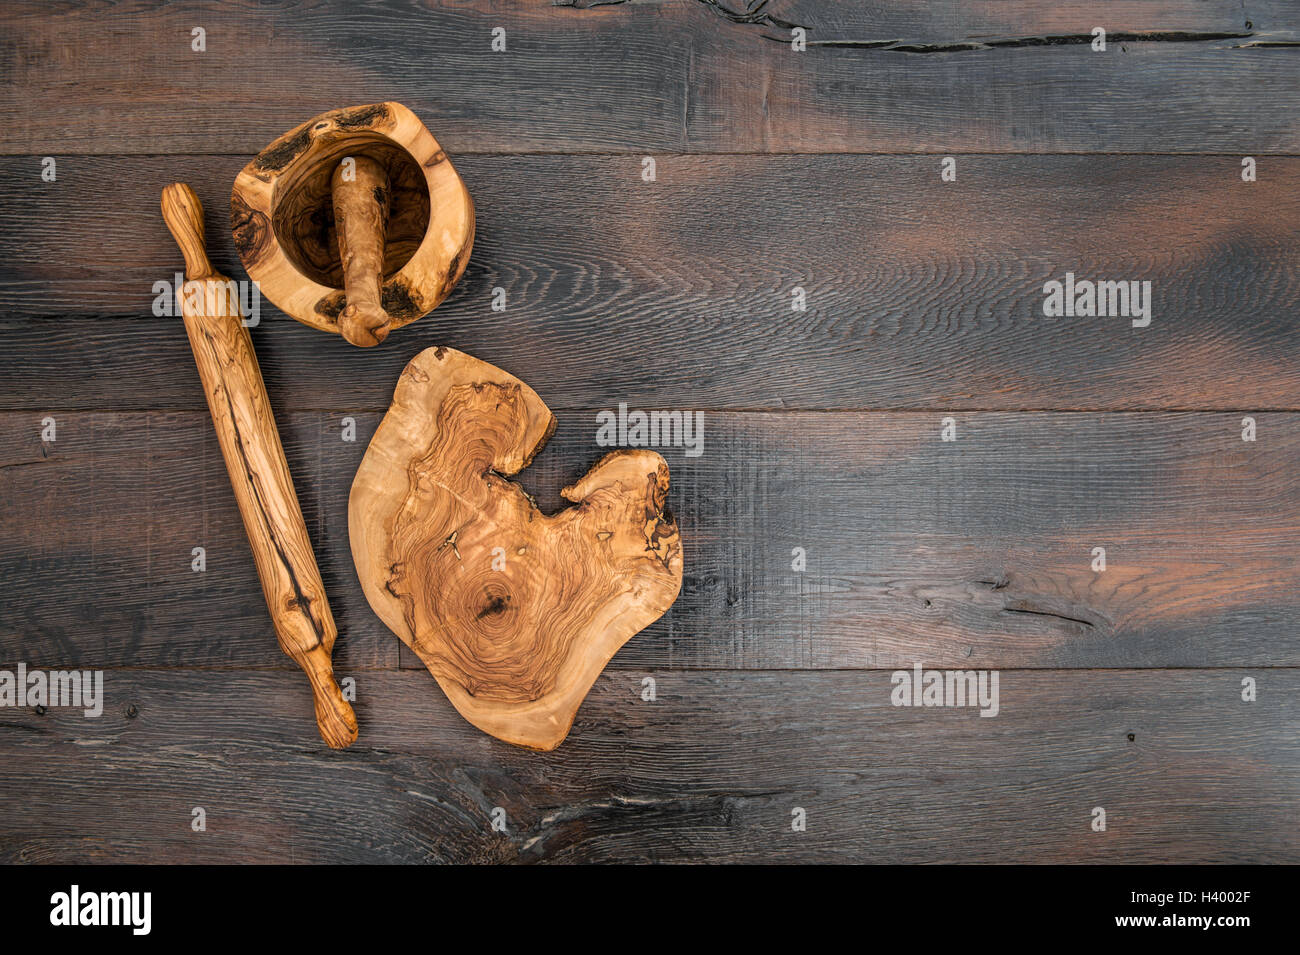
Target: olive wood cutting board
x=515 y=612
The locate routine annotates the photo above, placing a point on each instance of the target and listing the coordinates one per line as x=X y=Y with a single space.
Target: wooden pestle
x=250 y=443
x=359 y=190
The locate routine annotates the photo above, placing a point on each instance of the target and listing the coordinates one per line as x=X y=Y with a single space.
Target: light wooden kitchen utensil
x=515 y=612
x=259 y=473
x=355 y=222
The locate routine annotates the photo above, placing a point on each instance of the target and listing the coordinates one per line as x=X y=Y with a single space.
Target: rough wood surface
x=255 y=461
x=283 y=219
x=976 y=552
x=775 y=169
x=677 y=75
x=513 y=610
x=711 y=770
x=920 y=293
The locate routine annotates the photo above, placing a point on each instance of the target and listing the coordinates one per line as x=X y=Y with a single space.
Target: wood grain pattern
x=920 y=294
x=775 y=169
x=513 y=610
x=710 y=771
x=973 y=553
x=255 y=461
x=678 y=75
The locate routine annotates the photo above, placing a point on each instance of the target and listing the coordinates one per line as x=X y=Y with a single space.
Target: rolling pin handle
x=183 y=214
x=334 y=716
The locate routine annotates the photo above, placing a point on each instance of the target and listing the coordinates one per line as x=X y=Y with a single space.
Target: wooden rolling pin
x=237 y=398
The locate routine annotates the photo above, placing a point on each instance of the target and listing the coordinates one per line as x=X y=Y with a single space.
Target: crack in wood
x=302 y=603
x=973 y=44
x=755 y=14
x=1047 y=613
x=616 y=805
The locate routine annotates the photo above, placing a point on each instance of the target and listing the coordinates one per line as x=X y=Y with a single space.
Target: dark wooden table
x=776 y=169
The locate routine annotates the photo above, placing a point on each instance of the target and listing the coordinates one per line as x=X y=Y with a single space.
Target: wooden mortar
x=355 y=222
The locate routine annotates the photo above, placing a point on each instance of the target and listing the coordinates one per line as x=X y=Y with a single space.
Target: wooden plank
x=976 y=552
x=98 y=534
x=711 y=771
x=920 y=294
x=951 y=21
x=678 y=75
